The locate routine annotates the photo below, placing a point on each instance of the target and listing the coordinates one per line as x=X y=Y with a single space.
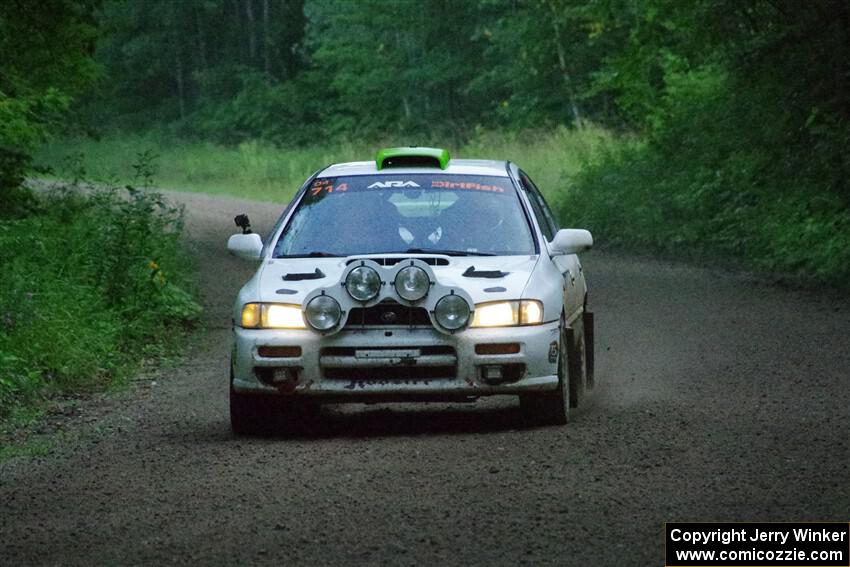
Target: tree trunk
x=252 y=30
x=406 y=107
x=562 y=63
x=178 y=64
x=267 y=67
x=405 y=103
x=201 y=39
x=234 y=35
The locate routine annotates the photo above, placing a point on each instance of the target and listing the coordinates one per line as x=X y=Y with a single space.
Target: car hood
x=488 y=278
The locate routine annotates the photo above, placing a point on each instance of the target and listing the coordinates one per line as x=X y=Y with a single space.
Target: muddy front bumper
x=396 y=364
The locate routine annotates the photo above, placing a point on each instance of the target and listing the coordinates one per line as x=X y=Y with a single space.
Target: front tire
x=263 y=414
x=250 y=414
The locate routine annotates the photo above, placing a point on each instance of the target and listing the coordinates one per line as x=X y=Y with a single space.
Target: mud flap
x=575 y=385
x=588 y=347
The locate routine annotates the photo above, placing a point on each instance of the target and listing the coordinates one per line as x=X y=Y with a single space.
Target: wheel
x=250 y=414
x=258 y=414
x=551 y=408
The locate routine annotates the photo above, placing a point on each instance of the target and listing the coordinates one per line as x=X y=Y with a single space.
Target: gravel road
x=719 y=398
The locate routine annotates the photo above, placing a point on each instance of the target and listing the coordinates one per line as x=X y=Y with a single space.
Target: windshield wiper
x=446 y=252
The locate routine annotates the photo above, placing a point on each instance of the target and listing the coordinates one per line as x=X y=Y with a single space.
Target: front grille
x=399 y=363
x=387 y=314
x=391 y=374
x=424 y=350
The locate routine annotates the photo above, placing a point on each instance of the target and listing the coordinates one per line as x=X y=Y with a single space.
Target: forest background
x=715 y=130
x=699 y=127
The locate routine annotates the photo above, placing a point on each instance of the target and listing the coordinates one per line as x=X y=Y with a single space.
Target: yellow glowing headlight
x=272 y=316
x=282 y=316
x=499 y=314
x=530 y=312
x=508 y=313
x=251 y=315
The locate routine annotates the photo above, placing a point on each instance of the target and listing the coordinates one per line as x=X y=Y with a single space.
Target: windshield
x=418 y=213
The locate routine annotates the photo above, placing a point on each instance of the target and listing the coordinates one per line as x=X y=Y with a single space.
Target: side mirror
x=246 y=246
x=571 y=241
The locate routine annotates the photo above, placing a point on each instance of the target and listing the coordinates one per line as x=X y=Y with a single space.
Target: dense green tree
x=743 y=110
x=768 y=78
x=717 y=78
x=741 y=107
x=45 y=61
x=399 y=65
x=168 y=61
x=541 y=58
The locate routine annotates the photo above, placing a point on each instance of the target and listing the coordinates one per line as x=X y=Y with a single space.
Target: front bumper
x=395 y=363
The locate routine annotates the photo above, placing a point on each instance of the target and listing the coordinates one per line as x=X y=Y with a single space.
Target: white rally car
x=414 y=277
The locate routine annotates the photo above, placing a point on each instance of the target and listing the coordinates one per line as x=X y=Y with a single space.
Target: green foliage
x=44 y=61
x=27 y=119
x=91 y=283
x=708 y=181
x=735 y=114
x=397 y=66
x=263 y=108
x=14 y=198
x=183 y=63
x=539 y=62
x=377 y=68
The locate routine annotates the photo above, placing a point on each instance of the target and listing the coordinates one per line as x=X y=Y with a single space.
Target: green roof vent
x=412 y=157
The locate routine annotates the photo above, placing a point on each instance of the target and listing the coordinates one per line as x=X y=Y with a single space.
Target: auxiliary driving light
x=363 y=283
x=323 y=313
x=452 y=312
x=412 y=283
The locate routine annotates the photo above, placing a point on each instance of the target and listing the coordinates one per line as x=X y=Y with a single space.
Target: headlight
x=530 y=312
x=251 y=315
x=363 y=283
x=452 y=312
x=323 y=313
x=272 y=316
x=508 y=313
x=279 y=316
x=412 y=283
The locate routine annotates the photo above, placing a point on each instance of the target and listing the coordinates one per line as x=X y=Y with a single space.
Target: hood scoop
x=297 y=277
x=471 y=272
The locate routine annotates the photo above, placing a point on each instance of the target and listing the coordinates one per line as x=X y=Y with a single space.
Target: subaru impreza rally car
x=413 y=277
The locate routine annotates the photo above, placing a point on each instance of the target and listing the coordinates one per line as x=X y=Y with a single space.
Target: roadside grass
x=31 y=448
x=252 y=170
x=703 y=198
x=94 y=283
x=36 y=431
x=261 y=171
